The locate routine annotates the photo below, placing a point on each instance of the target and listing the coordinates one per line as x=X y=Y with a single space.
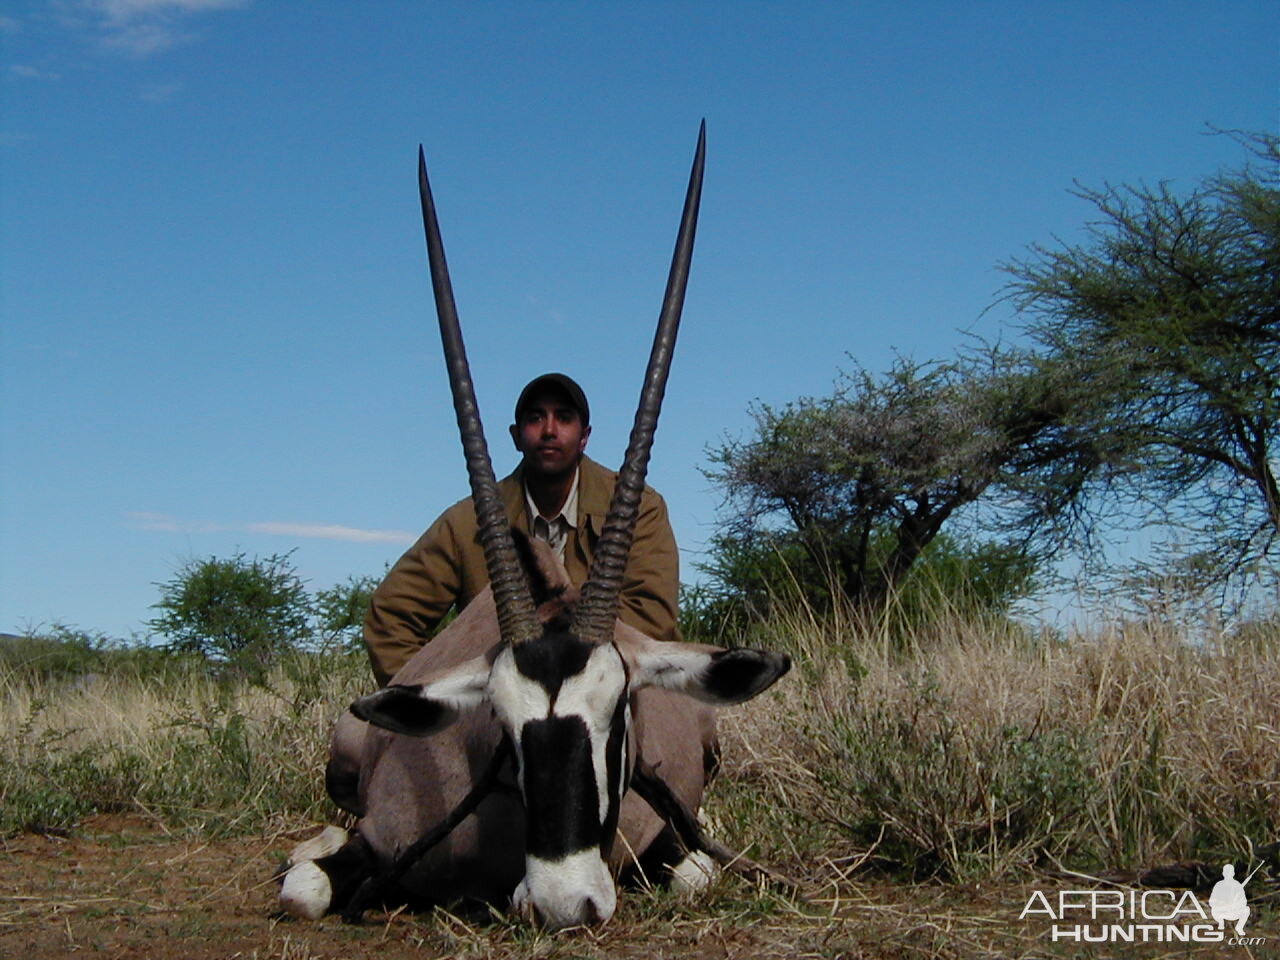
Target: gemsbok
x=506 y=762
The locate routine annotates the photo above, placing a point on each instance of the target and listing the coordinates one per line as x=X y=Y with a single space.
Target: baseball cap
x=558 y=383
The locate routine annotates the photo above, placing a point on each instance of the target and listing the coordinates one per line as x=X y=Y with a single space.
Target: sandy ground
x=122 y=888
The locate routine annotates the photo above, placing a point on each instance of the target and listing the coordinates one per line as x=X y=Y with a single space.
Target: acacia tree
x=340 y=610
x=244 y=611
x=864 y=480
x=238 y=609
x=1171 y=307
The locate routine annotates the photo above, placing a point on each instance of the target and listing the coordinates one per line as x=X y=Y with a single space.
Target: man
x=556 y=494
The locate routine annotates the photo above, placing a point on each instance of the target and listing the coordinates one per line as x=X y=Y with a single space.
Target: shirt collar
x=568 y=512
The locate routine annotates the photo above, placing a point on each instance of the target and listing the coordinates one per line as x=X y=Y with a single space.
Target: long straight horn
x=516 y=617
x=597 y=609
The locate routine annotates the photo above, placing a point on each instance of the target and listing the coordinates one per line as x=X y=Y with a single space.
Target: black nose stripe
x=562 y=808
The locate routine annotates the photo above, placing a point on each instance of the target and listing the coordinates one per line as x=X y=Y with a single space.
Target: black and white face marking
x=565 y=706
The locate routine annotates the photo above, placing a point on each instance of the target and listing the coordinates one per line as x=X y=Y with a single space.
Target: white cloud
x=129 y=9
x=332 y=531
x=28 y=72
x=161 y=92
x=164 y=523
x=143 y=39
x=146 y=27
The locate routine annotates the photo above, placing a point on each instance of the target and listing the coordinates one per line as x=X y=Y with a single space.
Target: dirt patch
x=124 y=888
x=120 y=888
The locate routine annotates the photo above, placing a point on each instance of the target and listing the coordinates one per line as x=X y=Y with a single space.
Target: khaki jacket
x=446 y=568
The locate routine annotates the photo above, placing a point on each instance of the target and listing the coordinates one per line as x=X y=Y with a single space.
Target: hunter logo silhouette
x=1227 y=902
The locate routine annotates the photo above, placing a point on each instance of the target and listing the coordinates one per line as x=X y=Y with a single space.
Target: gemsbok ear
x=419 y=710
x=711 y=674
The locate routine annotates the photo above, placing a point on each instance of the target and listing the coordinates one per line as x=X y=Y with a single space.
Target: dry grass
x=915 y=786
x=971 y=750
x=191 y=750
x=976 y=751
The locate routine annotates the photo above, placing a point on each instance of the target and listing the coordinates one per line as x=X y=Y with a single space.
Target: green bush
x=60 y=652
x=240 y=611
x=754 y=578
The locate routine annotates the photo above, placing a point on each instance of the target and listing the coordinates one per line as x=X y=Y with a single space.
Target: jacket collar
x=595 y=489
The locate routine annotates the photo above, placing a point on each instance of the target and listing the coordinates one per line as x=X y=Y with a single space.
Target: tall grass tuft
x=979 y=748
x=197 y=750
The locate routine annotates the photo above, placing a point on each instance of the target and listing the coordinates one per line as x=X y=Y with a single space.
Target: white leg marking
x=306 y=892
x=520 y=903
x=327 y=841
x=695 y=872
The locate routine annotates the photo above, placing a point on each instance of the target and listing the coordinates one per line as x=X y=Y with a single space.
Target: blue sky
x=217 y=329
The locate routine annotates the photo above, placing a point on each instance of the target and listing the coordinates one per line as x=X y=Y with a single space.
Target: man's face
x=550 y=434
